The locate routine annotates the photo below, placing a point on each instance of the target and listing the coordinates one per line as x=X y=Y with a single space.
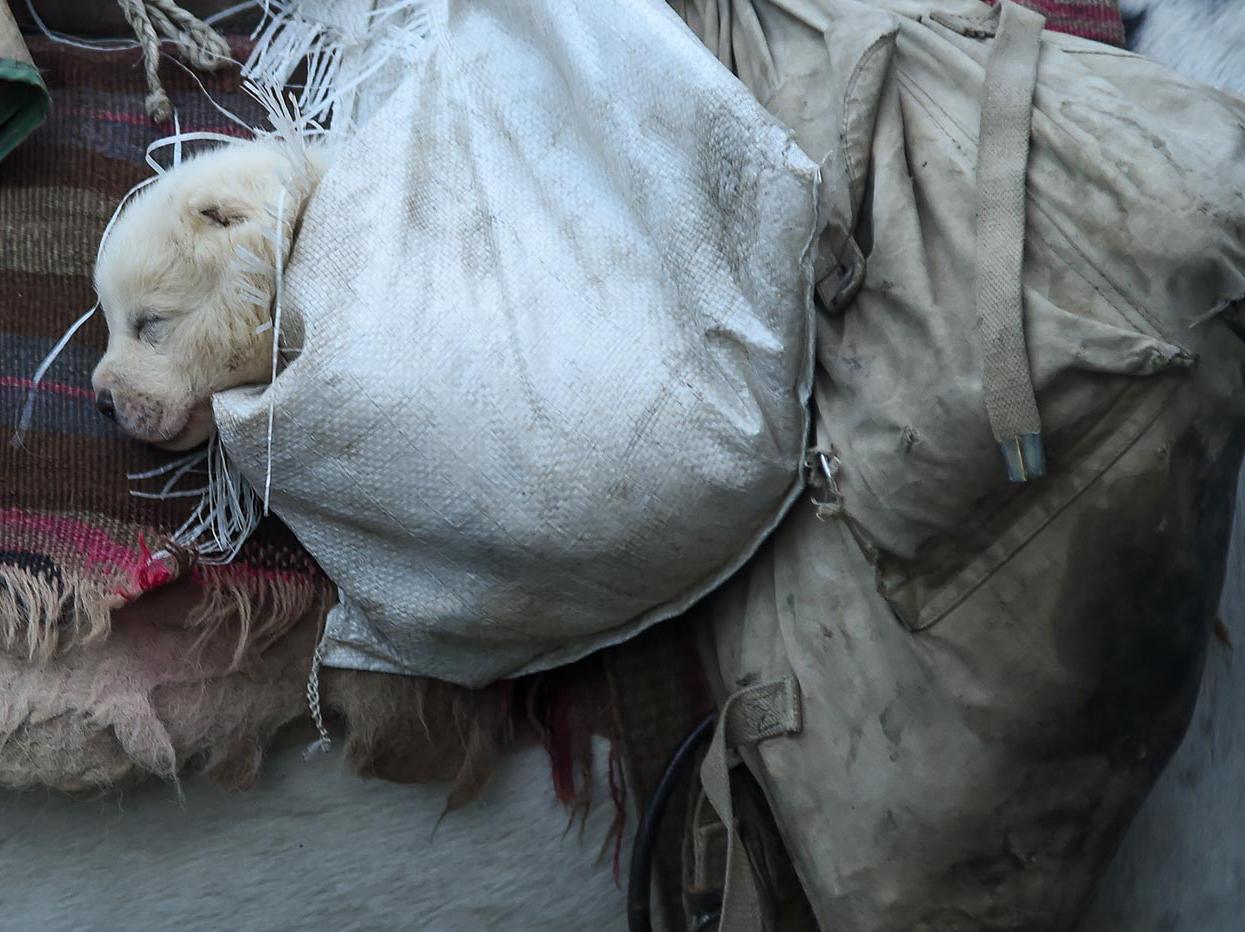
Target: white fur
x=185 y=282
x=1202 y=39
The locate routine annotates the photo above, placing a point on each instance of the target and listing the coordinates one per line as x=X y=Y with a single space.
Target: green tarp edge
x=24 y=103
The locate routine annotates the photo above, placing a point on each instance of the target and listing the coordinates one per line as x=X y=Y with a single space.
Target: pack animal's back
x=955 y=688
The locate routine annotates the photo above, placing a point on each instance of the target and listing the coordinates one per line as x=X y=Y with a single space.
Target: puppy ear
x=219 y=212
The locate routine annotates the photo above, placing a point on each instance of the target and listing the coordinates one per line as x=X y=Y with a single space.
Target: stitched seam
x=921 y=624
x=852 y=81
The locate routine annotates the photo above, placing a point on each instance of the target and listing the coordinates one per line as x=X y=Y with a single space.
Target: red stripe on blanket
x=57 y=388
x=97 y=547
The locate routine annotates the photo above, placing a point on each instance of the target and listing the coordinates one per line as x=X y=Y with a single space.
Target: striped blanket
x=74 y=542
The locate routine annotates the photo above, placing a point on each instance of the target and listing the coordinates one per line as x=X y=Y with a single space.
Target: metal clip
x=1024 y=456
x=827 y=464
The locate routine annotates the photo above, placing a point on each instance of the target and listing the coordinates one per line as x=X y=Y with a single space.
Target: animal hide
x=157 y=699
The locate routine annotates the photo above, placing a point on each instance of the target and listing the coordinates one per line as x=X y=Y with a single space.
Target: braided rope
x=200 y=44
x=158 y=105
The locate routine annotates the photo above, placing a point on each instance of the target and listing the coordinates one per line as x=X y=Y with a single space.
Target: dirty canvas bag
x=954 y=685
x=553 y=307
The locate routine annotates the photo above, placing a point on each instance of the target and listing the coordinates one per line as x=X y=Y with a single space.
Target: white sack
x=554 y=300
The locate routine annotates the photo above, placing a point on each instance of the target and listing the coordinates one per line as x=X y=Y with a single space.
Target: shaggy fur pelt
x=412 y=730
x=154 y=699
x=146 y=701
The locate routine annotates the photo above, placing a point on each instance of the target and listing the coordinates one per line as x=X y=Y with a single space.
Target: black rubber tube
x=640 y=879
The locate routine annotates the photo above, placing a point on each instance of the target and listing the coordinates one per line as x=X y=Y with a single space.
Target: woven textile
x=1091 y=19
x=74 y=543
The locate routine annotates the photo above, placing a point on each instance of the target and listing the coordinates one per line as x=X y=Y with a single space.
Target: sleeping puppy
x=185 y=280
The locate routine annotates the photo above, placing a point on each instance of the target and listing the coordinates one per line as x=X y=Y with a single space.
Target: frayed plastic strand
x=251 y=262
x=251 y=295
x=279 y=252
x=161 y=496
x=227 y=514
x=28 y=407
x=92 y=45
x=229 y=11
x=199 y=456
x=339 y=56
x=176 y=140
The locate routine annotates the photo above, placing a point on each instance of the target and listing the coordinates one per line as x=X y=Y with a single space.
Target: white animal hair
x=189 y=281
x=1202 y=39
x=158 y=246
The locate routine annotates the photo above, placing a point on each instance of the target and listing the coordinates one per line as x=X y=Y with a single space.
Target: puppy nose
x=103 y=401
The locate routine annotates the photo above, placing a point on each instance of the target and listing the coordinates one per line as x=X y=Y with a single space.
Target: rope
x=200 y=44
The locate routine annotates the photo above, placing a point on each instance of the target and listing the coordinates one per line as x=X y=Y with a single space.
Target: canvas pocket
x=900 y=388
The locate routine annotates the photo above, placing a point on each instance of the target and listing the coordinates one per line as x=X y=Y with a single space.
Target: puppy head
x=182 y=307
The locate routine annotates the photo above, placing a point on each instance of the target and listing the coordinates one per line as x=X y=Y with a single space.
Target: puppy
x=185 y=280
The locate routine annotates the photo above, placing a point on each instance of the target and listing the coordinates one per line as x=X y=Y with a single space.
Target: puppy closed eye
x=212 y=210
x=148 y=327
x=220 y=216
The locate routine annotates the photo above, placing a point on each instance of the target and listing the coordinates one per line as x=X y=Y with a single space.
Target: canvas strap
x=749 y=716
x=1002 y=166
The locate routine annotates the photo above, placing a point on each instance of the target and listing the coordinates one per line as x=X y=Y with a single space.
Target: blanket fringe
x=262 y=609
x=139 y=705
x=42 y=616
